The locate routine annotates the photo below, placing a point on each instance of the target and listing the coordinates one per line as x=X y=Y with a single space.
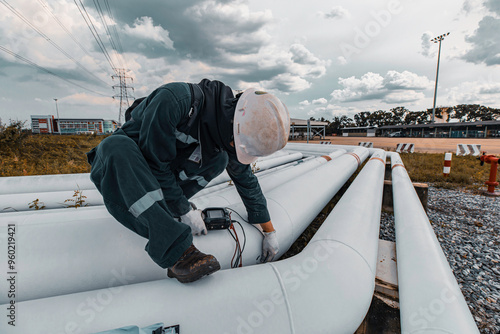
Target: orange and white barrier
x=447 y=164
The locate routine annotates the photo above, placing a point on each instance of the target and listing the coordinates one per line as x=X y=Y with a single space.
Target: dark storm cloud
x=485 y=43
x=200 y=29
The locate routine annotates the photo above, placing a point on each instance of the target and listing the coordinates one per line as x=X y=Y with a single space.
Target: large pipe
x=322 y=149
x=430 y=299
x=65 y=182
x=325 y=289
x=260 y=165
x=228 y=194
x=70 y=251
x=92 y=197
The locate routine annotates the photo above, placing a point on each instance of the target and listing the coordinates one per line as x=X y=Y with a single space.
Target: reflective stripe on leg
x=145 y=202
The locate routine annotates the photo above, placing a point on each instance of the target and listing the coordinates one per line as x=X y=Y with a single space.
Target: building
x=43 y=124
x=47 y=124
x=483 y=129
x=302 y=127
x=362 y=131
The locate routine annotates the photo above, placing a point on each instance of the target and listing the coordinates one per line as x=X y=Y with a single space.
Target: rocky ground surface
x=468 y=227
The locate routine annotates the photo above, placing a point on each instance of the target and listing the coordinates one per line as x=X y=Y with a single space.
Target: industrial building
x=47 y=124
x=484 y=129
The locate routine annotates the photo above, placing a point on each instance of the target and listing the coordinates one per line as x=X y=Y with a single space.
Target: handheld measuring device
x=216 y=218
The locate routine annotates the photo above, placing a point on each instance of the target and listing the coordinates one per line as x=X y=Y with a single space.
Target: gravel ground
x=468 y=228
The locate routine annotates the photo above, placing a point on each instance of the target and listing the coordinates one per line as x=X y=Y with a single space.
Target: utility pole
x=437 y=40
x=58 y=121
x=121 y=75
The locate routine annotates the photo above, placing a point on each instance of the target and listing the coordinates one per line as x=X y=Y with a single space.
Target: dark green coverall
x=149 y=168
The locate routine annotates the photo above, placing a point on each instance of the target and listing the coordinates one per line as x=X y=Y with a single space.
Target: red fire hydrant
x=492 y=182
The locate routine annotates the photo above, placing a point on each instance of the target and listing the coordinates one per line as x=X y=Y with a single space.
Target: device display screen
x=215 y=213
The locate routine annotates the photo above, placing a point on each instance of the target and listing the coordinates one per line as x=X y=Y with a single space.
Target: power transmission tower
x=121 y=75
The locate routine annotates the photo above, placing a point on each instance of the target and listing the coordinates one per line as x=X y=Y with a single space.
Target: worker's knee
x=116 y=148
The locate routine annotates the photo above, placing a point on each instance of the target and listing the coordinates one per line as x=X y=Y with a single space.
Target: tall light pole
x=437 y=40
x=58 y=122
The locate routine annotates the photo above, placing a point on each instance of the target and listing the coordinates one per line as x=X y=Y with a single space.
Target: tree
x=362 y=118
x=399 y=114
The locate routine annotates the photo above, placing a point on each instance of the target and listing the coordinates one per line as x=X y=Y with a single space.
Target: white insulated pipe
x=42 y=183
x=228 y=194
x=66 y=182
x=430 y=299
x=322 y=149
x=67 y=251
x=325 y=289
x=259 y=166
x=64 y=199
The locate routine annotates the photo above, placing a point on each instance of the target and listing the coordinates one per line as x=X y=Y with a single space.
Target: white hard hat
x=261 y=125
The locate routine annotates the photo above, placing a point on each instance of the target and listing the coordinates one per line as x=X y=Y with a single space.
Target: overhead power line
x=106 y=28
x=19 y=15
x=46 y=70
x=47 y=9
x=94 y=32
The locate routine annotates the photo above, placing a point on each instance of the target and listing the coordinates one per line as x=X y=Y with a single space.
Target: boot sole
x=210 y=269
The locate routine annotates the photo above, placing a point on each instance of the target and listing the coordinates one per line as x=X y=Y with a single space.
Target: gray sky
x=322 y=58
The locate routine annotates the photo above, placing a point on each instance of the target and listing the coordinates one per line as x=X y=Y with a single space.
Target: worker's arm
x=267 y=227
x=250 y=192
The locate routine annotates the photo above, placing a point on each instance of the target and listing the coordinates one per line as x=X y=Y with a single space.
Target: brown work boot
x=193 y=265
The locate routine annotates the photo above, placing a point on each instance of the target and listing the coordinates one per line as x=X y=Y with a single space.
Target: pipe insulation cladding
x=69 y=182
x=64 y=198
x=66 y=251
x=325 y=289
x=430 y=299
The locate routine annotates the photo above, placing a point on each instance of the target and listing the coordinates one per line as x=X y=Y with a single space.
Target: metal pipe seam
x=67 y=267
x=429 y=296
x=297 y=291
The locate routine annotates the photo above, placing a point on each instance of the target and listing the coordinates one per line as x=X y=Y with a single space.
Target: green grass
x=466 y=172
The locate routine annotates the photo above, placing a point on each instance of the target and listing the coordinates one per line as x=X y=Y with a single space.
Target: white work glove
x=194 y=220
x=270 y=247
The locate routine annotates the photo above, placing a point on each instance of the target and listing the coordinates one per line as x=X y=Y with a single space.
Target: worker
x=178 y=139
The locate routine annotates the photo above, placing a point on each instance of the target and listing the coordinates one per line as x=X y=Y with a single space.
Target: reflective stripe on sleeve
x=182 y=137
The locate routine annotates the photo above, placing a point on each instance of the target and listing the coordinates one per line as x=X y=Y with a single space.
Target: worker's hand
x=194 y=220
x=270 y=247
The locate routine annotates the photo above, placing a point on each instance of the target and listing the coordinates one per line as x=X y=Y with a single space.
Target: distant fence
x=405 y=148
x=365 y=144
x=468 y=149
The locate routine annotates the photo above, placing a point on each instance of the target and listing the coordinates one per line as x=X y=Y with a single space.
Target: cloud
x=144 y=29
x=475 y=92
x=320 y=101
x=427 y=45
x=393 y=87
x=403 y=96
x=485 y=43
x=470 y=6
x=304 y=103
x=286 y=82
x=337 y=12
x=341 y=60
x=406 y=80
x=493 y=6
